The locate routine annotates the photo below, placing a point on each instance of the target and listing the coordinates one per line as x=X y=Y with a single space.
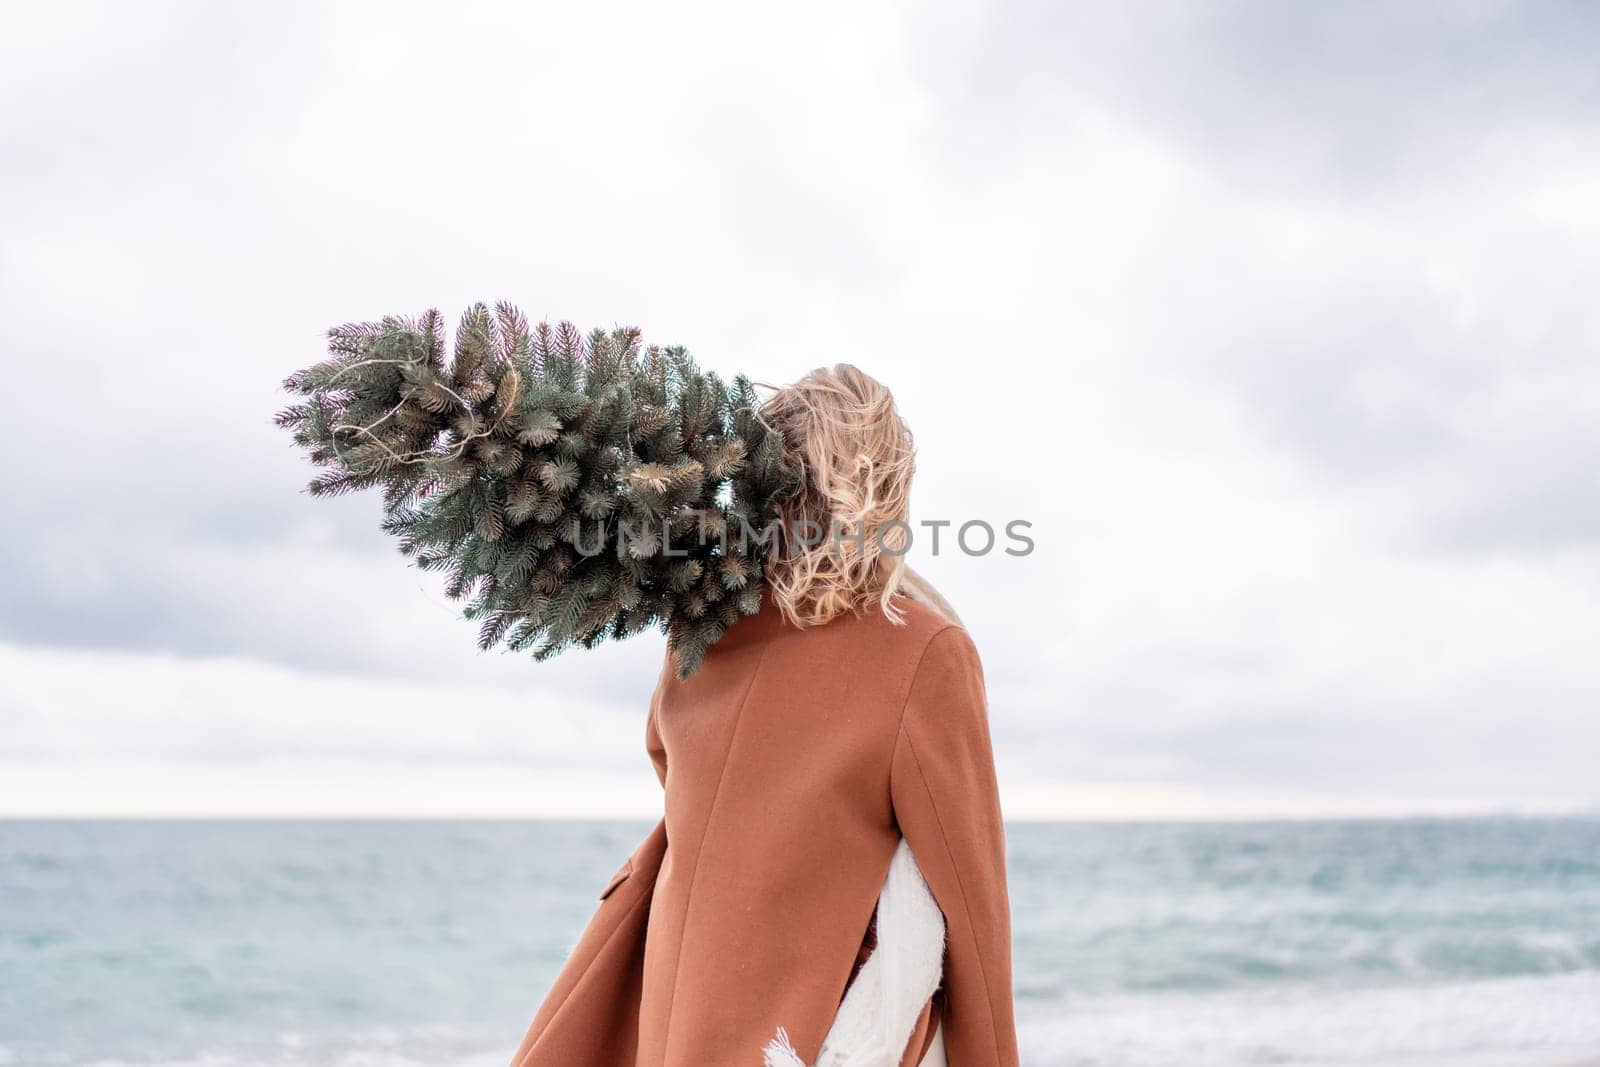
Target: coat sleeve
x=942 y=785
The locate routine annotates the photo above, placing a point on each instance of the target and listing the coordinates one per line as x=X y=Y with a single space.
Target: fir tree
x=572 y=488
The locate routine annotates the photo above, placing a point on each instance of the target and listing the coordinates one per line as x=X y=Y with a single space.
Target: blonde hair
x=843 y=533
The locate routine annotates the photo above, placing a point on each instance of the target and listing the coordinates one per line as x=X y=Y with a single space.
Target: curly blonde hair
x=844 y=532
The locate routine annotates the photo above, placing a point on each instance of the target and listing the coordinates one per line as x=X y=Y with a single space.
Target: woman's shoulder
x=874 y=644
x=923 y=620
x=890 y=640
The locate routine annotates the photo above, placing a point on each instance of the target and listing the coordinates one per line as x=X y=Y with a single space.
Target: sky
x=1277 y=323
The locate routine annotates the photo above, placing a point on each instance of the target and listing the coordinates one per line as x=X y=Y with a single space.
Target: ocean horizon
x=1448 y=942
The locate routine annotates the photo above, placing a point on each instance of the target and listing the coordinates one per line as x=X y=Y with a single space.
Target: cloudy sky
x=1278 y=323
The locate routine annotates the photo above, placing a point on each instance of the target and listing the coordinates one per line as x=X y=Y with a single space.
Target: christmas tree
x=573 y=488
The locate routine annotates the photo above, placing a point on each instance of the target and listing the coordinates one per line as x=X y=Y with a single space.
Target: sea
x=1438 y=943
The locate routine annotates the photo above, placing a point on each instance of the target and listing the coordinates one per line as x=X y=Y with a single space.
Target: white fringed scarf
x=882 y=1005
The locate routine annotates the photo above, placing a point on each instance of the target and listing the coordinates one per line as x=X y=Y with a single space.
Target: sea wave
x=1526 y=1022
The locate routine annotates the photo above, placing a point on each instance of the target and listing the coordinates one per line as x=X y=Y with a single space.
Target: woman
x=845 y=716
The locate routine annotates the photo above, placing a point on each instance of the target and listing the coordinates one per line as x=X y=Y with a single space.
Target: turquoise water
x=383 y=944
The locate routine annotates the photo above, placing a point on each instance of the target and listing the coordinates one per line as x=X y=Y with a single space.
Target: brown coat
x=793 y=761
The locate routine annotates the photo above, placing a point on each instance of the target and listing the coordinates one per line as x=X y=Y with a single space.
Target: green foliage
x=571 y=488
